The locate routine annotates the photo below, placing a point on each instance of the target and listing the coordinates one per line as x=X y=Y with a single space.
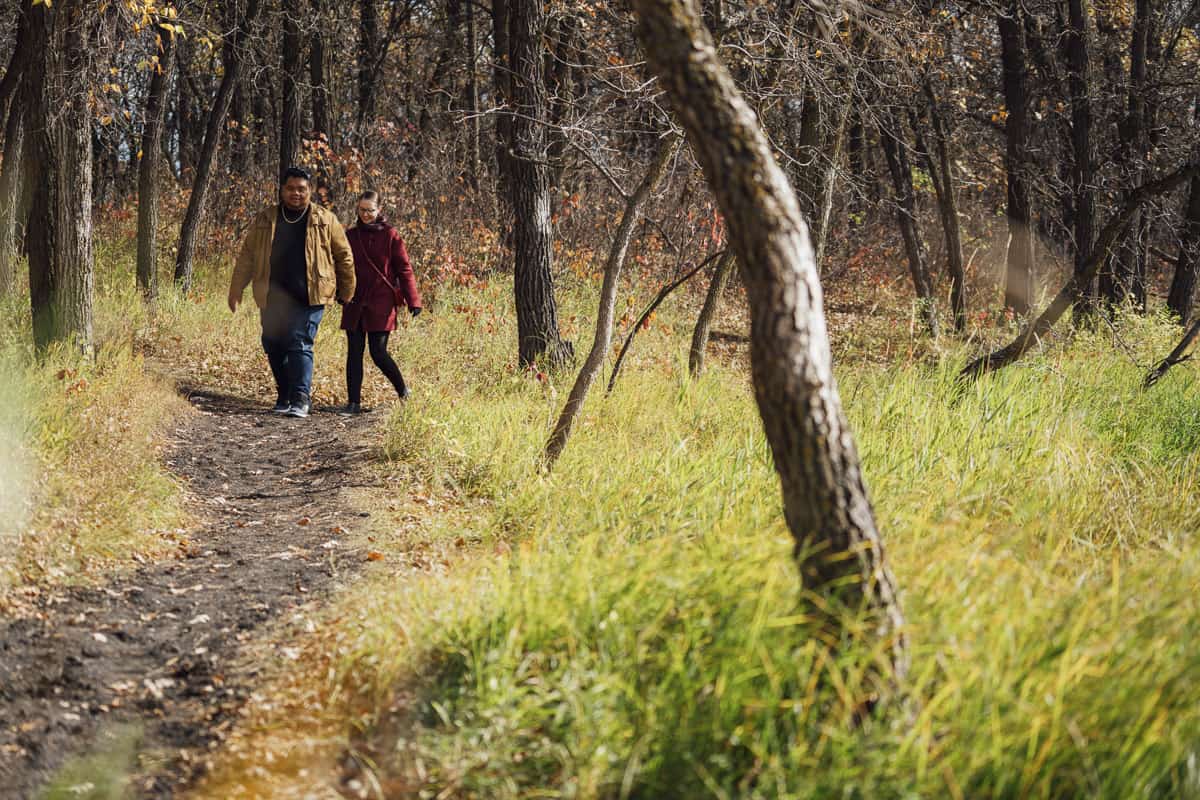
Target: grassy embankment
x=82 y=490
x=630 y=625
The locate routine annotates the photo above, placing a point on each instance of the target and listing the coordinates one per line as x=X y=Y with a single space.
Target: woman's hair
x=371 y=195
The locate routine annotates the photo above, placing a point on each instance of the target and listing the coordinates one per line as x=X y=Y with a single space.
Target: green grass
x=631 y=625
x=81 y=485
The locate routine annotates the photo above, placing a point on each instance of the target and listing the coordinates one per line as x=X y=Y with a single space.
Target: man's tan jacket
x=326 y=253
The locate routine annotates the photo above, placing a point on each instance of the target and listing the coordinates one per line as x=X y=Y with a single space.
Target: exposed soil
x=168 y=647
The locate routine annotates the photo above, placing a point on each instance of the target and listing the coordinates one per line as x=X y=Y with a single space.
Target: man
x=297 y=260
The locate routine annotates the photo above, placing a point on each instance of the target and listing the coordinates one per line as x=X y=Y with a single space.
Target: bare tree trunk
x=890 y=131
x=184 y=259
x=838 y=546
x=1108 y=238
x=819 y=142
x=608 y=300
x=472 y=104
x=317 y=72
x=1183 y=285
x=1127 y=276
x=147 y=240
x=59 y=234
x=1083 y=167
x=11 y=83
x=13 y=215
x=289 y=76
x=13 y=174
x=502 y=91
x=712 y=299
x=533 y=232
x=368 y=45
x=943 y=186
x=1018 y=287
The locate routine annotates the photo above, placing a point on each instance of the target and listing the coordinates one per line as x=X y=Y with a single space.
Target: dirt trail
x=160 y=647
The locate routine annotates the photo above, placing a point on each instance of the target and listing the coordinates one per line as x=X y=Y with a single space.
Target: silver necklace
x=292 y=221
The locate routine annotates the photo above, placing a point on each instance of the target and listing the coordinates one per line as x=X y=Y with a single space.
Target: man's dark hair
x=295 y=172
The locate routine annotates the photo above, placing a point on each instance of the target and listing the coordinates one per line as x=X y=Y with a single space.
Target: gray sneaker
x=299 y=408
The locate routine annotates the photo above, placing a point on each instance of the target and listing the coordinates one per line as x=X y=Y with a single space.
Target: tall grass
x=639 y=631
x=81 y=486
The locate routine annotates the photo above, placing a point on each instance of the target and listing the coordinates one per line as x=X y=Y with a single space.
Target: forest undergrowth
x=630 y=624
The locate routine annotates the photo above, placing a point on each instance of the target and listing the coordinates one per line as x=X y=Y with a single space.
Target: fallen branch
x=654 y=304
x=1181 y=353
x=1112 y=230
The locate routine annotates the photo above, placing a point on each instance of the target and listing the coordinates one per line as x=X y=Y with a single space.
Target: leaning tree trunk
x=59 y=233
x=289 y=75
x=147 y=240
x=838 y=546
x=185 y=255
x=1018 y=286
x=608 y=301
x=716 y=287
x=895 y=150
x=533 y=232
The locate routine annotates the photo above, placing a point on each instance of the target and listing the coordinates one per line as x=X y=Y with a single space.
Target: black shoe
x=351 y=409
x=404 y=392
x=281 y=405
x=299 y=408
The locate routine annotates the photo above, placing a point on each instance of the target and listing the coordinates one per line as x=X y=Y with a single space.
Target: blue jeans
x=288 y=330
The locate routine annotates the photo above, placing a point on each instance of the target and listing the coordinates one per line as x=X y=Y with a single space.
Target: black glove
x=415 y=311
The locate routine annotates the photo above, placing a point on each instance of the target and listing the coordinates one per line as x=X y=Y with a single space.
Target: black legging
x=379 y=354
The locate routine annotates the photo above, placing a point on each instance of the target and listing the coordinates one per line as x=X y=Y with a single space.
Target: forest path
x=152 y=668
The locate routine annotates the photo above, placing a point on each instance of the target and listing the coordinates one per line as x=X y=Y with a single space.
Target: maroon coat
x=373 y=307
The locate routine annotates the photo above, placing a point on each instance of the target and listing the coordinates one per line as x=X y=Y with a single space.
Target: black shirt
x=289 y=267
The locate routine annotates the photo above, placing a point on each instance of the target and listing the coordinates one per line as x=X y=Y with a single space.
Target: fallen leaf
x=374 y=555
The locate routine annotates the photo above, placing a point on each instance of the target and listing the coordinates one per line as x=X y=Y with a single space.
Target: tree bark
x=317 y=72
x=608 y=300
x=59 y=232
x=1126 y=279
x=533 y=233
x=11 y=83
x=472 y=104
x=941 y=172
x=895 y=150
x=1019 y=275
x=1083 y=157
x=838 y=546
x=147 y=240
x=289 y=73
x=13 y=215
x=1183 y=285
x=1107 y=239
x=13 y=174
x=184 y=259
x=502 y=87
x=818 y=146
x=368 y=45
x=698 y=352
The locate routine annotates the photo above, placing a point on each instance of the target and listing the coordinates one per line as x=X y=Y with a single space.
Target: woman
x=385 y=282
